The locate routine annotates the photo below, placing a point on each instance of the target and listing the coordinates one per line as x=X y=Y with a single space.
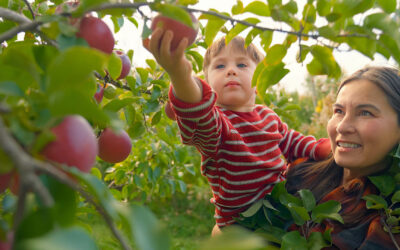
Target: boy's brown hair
x=239 y=43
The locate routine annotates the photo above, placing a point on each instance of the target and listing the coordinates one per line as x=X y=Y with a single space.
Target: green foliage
x=274 y=216
x=47 y=73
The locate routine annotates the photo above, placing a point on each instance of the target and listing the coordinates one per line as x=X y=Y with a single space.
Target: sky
x=129 y=37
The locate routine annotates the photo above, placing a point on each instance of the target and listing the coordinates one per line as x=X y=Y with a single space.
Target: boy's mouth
x=232 y=83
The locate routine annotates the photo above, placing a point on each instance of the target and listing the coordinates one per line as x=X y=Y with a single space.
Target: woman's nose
x=346 y=125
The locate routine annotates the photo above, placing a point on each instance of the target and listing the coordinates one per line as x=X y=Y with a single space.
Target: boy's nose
x=231 y=71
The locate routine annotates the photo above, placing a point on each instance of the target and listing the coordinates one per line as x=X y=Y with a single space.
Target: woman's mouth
x=231 y=84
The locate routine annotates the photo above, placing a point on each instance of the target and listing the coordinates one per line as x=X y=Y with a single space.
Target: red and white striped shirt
x=242 y=152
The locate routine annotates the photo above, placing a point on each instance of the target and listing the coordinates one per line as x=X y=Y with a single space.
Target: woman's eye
x=220 y=66
x=241 y=65
x=365 y=113
x=337 y=111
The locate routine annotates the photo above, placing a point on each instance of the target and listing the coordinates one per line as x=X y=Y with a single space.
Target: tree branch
x=13 y=16
x=65 y=179
x=14 y=31
x=24 y=165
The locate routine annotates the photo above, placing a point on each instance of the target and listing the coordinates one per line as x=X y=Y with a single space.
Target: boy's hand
x=175 y=63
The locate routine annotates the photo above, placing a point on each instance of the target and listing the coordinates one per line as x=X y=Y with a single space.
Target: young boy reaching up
x=242 y=144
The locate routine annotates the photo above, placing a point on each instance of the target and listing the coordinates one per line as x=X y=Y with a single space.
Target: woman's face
x=363 y=128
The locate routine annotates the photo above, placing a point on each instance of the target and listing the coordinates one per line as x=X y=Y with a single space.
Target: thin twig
x=388 y=229
x=30 y=9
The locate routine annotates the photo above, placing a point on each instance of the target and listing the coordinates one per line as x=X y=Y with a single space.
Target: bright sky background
x=129 y=37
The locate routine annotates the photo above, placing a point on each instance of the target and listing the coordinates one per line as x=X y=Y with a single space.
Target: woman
x=363 y=130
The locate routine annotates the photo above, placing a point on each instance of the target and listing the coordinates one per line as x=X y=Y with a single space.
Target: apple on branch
x=179 y=29
x=114 y=146
x=75 y=144
x=126 y=64
x=96 y=33
x=98 y=96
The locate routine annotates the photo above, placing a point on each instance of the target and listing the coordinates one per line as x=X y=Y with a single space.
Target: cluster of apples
x=97 y=34
x=75 y=145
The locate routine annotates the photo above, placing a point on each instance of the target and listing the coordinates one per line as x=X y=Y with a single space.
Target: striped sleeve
x=200 y=123
x=295 y=145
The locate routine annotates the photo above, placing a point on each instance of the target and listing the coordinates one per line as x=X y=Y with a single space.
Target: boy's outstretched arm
x=175 y=63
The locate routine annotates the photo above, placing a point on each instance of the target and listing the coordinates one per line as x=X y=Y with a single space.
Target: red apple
x=126 y=64
x=75 y=144
x=97 y=34
x=98 y=96
x=179 y=29
x=5 y=180
x=114 y=147
x=169 y=112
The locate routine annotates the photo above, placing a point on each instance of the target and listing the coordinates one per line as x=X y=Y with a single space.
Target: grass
x=188 y=219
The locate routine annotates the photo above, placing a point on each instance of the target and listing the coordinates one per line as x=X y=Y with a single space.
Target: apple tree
x=82 y=128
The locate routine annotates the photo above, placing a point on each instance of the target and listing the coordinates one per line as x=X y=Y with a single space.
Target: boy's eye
x=241 y=65
x=220 y=66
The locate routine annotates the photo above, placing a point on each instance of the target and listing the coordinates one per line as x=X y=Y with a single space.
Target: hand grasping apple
x=174 y=61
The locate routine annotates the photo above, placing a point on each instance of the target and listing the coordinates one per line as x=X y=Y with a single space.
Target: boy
x=241 y=143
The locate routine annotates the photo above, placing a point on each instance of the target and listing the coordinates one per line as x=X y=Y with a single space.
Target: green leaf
x=375 y=201
x=299 y=214
x=390 y=46
x=11 y=89
x=308 y=199
x=43 y=220
x=268 y=76
x=385 y=183
x=253 y=209
x=114 y=66
x=133 y=20
x=117 y=104
x=156 y=118
x=323 y=7
x=350 y=8
x=212 y=28
x=309 y=13
x=294 y=241
x=143 y=73
x=257 y=7
x=266 y=39
x=396 y=197
x=75 y=102
x=65 y=202
x=238 y=28
x=67 y=239
x=268 y=204
x=316 y=241
x=74 y=68
x=323 y=62
x=291 y=7
x=148 y=233
x=44 y=55
x=275 y=54
x=118 y=23
x=388 y=6
x=327 y=210
x=383 y=22
x=237 y=8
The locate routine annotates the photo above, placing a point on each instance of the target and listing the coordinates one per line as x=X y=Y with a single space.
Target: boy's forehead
x=231 y=50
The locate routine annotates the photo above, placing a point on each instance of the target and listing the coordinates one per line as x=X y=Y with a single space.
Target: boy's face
x=229 y=74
